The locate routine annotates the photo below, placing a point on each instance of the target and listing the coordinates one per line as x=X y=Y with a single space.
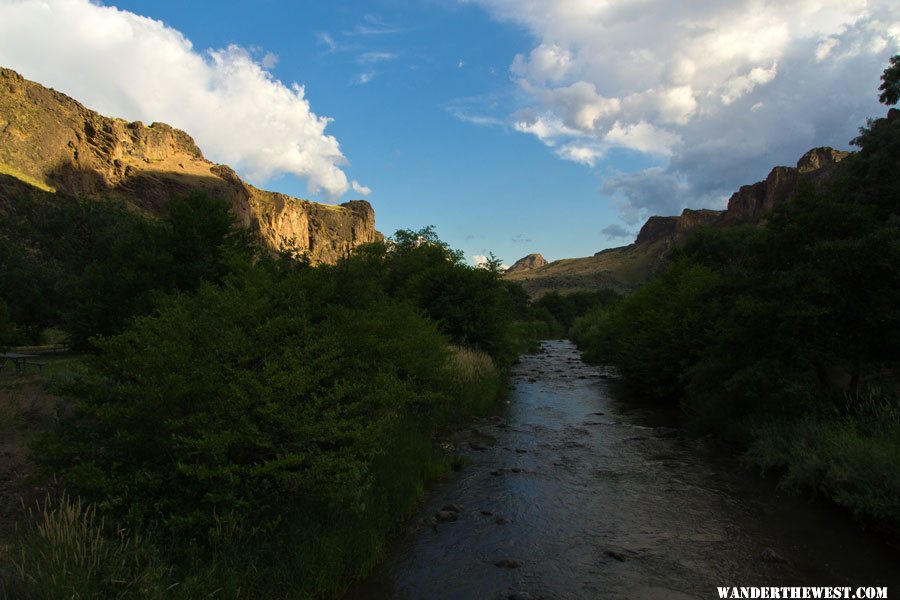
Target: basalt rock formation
x=51 y=144
x=527 y=263
x=628 y=267
x=750 y=203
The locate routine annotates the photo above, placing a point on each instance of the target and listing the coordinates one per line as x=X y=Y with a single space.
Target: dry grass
x=470 y=365
x=65 y=553
x=620 y=269
x=473 y=380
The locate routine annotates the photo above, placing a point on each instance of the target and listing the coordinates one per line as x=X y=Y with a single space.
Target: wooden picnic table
x=18 y=359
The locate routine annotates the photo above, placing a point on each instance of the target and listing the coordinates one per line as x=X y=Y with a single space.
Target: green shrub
x=229 y=403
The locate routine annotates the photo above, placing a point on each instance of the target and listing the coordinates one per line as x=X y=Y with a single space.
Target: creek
x=574 y=493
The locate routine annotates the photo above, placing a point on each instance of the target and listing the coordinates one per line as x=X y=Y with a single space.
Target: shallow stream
x=574 y=494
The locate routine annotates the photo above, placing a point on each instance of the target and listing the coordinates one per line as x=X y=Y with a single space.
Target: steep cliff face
x=53 y=143
x=750 y=203
x=528 y=263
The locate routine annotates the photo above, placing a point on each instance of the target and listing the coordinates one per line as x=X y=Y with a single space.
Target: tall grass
x=850 y=455
x=65 y=552
x=474 y=380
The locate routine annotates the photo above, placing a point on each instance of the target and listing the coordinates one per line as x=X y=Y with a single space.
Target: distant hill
x=50 y=144
x=625 y=268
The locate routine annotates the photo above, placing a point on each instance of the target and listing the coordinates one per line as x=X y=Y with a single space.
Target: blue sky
x=552 y=126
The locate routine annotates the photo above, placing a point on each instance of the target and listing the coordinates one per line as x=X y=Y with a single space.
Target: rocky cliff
x=527 y=263
x=627 y=267
x=51 y=142
x=750 y=203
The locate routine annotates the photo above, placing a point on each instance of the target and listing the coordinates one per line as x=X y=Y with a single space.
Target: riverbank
x=572 y=493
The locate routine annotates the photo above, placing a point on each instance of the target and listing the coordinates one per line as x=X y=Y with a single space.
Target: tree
x=890 y=83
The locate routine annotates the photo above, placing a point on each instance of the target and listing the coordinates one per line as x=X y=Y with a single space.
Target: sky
x=512 y=126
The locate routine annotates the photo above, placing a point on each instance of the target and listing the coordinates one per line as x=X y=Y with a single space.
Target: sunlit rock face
x=51 y=142
x=528 y=263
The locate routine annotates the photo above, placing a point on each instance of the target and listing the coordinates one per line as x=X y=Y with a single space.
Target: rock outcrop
x=51 y=142
x=750 y=203
x=528 y=263
x=628 y=267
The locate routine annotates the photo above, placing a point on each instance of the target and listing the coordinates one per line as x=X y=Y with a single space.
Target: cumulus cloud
x=713 y=93
x=360 y=189
x=481 y=262
x=126 y=65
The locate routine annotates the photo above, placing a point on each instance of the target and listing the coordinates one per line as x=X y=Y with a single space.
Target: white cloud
x=480 y=261
x=461 y=114
x=364 y=78
x=732 y=85
x=547 y=62
x=360 y=189
x=581 y=153
x=740 y=85
x=369 y=58
x=126 y=65
x=825 y=47
x=643 y=137
x=375 y=26
x=547 y=128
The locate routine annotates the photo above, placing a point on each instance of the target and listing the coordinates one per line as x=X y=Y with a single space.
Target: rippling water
x=571 y=494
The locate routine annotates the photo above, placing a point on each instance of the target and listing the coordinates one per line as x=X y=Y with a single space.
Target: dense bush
x=258 y=403
x=475 y=307
x=559 y=311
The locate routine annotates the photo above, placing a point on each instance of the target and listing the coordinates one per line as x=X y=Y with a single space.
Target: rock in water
x=507 y=563
x=446 y=516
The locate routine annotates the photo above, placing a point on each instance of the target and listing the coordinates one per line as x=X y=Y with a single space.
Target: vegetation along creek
x=213 y=388
x=571 y=493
